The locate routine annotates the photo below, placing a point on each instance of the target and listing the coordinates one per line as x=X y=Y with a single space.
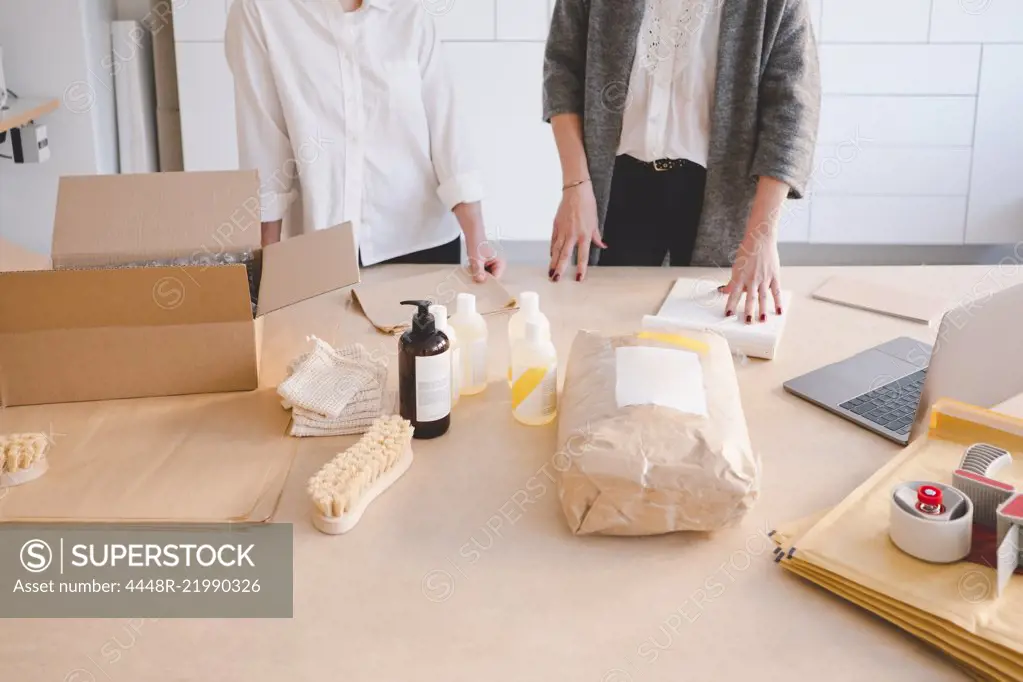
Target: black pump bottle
x=424 y=375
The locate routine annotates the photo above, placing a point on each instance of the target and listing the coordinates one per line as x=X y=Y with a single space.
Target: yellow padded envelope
x=953 y=607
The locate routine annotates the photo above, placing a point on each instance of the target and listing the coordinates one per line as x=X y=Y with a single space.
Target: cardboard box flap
x=135 y=297
x=308 y=265
x=106 y=220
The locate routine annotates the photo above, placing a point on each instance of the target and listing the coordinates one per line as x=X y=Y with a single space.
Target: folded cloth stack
x=334 y=391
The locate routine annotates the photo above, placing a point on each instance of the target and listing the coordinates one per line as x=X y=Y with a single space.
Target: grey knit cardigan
x=765 y=112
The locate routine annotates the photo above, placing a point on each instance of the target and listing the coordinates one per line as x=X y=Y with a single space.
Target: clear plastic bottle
x=529 y=310
x=535 y=378
x=471 y=329
x=440 y=314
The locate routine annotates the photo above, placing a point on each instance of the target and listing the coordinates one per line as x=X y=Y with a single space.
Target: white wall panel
x=977 y=21
x=887 y=220
x=199 y=20
x=795 y=221
x=463 y=19
x=875 y=21
x=206 y=90
x=899 y=69
x=865 y=169
x=522 y=19
x=898 y=121
x=516 y=148
x=996 y=201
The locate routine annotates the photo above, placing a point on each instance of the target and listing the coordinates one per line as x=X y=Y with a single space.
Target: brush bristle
x=19 y=451
x=340 y=484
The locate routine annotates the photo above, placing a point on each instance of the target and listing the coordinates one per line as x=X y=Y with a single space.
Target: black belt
x=661 y=164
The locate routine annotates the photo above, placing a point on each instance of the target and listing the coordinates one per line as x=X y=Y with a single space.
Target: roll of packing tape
x=931 y=521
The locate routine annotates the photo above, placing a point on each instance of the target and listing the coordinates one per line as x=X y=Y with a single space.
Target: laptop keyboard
x=893 y=406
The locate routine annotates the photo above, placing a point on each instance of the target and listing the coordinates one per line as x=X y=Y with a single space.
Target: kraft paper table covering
x=218 y=457
x=440 y=596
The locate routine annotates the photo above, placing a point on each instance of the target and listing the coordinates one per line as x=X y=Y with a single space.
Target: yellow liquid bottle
x=534 y=378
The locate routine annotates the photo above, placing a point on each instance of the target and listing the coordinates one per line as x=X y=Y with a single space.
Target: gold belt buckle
x=662 y=165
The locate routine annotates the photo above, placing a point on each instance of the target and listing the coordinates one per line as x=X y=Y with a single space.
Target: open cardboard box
x=102 y=325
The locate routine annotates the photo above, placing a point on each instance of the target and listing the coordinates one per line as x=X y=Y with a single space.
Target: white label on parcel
x=660 y=376
x=433 y=387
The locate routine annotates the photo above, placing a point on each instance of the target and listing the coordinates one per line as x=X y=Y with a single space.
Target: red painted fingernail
x=779 y=311
x=557 y=278
x=749 y=319
x=728 y=313
x=763 y=317
x=578 y=277
x=550 y=273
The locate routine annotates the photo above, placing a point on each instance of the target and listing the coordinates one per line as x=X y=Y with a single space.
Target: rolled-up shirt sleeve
x=263 y=142
x=458 y=175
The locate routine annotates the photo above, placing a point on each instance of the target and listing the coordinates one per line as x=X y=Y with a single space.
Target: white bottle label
x=456 y=373
x=433 y=387
x=535 y=392
x=475 y=364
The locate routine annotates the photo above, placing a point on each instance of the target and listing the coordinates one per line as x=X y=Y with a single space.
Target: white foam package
x=652 y=438
x=697 y=304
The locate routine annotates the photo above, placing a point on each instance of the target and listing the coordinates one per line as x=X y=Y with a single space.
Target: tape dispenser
x=931 y=521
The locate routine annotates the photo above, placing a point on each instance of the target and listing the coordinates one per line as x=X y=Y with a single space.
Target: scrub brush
x=345 y=486
x=22 y=458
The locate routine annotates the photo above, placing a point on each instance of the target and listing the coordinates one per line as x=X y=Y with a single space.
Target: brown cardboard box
x=89 y=330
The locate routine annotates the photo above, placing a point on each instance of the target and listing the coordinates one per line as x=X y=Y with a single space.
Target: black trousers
x=652 y=213
x=445 y=254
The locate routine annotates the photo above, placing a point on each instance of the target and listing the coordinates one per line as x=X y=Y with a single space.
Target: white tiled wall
x=921 y=140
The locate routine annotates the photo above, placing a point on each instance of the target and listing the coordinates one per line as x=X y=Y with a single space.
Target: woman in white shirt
x=348 y=102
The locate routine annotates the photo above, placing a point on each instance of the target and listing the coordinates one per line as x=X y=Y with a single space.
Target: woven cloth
x=334 y=391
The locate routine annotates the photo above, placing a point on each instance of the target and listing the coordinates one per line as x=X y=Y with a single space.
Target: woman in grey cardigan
x=682 y=126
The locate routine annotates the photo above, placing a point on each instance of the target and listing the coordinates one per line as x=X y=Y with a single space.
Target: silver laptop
x=975 y=359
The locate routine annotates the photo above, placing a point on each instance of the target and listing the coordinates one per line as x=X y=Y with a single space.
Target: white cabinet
x=875 y=21
x=206 y=90
x=996 y=197
x=200 y=20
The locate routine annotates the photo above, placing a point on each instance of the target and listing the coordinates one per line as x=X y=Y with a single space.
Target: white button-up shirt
x=671 y=90
x=355 y=110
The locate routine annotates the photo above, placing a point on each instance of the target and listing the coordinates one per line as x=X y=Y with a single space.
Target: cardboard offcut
x=93 y=329
x=878 y=298
x=381 y=302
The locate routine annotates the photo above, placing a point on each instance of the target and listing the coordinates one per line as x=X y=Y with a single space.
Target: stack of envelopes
x=957 y=607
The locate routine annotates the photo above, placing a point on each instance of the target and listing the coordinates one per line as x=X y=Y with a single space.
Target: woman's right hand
x=575 y=229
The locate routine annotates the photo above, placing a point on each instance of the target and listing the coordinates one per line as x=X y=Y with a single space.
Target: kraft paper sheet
x=381 y=301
